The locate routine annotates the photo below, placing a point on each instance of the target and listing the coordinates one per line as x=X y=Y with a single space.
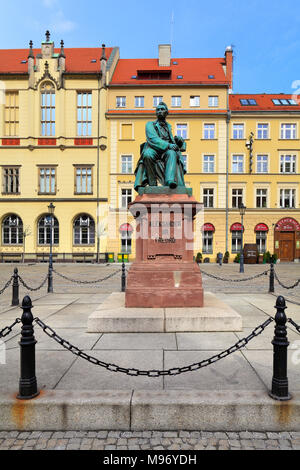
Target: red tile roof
x=114 y=112
x=193 y=71
x=264 y=102
x=77 y=59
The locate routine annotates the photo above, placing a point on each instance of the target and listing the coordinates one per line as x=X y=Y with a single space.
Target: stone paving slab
x=206 y=341
x=231 y=373
x=130 y=341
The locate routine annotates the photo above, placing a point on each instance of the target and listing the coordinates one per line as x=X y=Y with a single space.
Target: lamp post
x=242 y=209
x=51 y=208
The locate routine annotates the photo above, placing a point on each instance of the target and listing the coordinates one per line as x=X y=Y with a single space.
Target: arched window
x=84 y=230
x=47 y=109
x=44 y=227
x=126 y=235
x=12 y=230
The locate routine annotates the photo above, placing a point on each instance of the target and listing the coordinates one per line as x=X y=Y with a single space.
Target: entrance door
x=286 y=246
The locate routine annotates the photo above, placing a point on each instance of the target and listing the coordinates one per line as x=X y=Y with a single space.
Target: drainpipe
x=227 y=169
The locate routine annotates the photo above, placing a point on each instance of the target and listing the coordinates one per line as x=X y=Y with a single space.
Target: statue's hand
x=173 y=147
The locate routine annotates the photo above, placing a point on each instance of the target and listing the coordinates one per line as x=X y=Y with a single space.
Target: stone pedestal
x=164 y=273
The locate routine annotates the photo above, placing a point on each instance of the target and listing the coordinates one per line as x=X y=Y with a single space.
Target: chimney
x=229 y=66
x=103 y=62
x=164 y=55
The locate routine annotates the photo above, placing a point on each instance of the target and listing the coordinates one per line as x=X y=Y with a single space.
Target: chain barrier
x=294 y=324
x=33 y=288
x=8 y=329
x=235 y=280
x=282 y=285
x=151 y=373
x=6 y=285
x=87 y=282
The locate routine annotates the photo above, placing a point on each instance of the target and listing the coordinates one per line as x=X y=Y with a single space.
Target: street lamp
x=51 y=208
x=242 y=209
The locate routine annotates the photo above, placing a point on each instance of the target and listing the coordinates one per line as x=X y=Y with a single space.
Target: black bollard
x=123 y=277
x=15 y=288
x=27 y=383
x=280 y=388
x=271 y=279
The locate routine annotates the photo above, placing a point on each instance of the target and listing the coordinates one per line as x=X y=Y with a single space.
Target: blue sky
x=264 y=33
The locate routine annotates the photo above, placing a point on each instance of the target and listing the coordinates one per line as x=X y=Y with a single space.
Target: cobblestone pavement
x=149 y=440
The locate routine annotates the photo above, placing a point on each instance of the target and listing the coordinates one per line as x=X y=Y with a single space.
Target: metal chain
x=152 y=373
x=8 y=329
x=6 y=285
x=294 y=324
x=87 y=282
x=282 y=285
x=33 y=288
x=235 y=280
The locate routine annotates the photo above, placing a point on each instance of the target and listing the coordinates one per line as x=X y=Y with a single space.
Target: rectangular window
x=287 y=163
x=194 y=101
x=83 y=184
x=238 y=131
x=47 y=109
x=236 y=241
x=261 y=198
x=262 y=164
x=181 y=130
x=261 y=241
x=208 y=163
x=176 y=101
x=121 y=102
x=262 y=131
x=125 y=242
x=288 y=131
x=47 y=180
x=11 y=182
x=213 y=101
x=208 y=197
x=207 y=242
x=84 y=113
x=209 y=131
x=157 y=100
x=11 y=113
x=139 y=101
x=126 y=198
x=237 y=198
x=287 y=198
x=237 y=163
x=126 y=163
x=184 y=159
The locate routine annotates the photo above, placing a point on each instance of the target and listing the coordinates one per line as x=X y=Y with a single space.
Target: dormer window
x=47 y=109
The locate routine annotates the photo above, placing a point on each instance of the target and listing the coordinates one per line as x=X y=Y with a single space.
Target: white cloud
x=62 y=24
x=49 y=3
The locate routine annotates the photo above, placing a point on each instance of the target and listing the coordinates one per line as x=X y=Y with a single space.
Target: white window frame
x=139 y=101
x=209 y=162
x=237 y=196
x=186 y=161
x=211 y=131
x=283 y=162
x=237 y=248
x=257 y=163
x=84 y=113
x=159 y=99
x=238 y=162
x=238 y=131
x=123 y=156
x=122 y=102
x=261 y=236
x=126 y=197
x=186 y=130
x=284 y=130
x=213 y=101
x=176 y=101
x=192 y=99
x=261 y=196
x=292 y=195
x=257 y=130
x=208 y=197
x=207 y=235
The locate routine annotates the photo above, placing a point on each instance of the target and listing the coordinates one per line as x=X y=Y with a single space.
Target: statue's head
x=162 y=110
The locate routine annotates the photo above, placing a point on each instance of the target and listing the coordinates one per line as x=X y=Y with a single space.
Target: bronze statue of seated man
x=161 y=158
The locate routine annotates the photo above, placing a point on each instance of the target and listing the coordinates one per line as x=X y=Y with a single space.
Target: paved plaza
x=67 y=311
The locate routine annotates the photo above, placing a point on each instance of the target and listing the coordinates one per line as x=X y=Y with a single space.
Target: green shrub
x=199 y=258
x=237 y=258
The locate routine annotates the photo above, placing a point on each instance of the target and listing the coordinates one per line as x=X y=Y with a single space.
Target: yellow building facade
x=72 y=122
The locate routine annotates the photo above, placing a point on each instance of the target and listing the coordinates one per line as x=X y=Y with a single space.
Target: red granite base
x=164 y=285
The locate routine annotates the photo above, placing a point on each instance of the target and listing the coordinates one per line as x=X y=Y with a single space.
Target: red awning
x=287 y=224
x=126 y=228
x=208 y=228
x=236 y=227
x=261 y=228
